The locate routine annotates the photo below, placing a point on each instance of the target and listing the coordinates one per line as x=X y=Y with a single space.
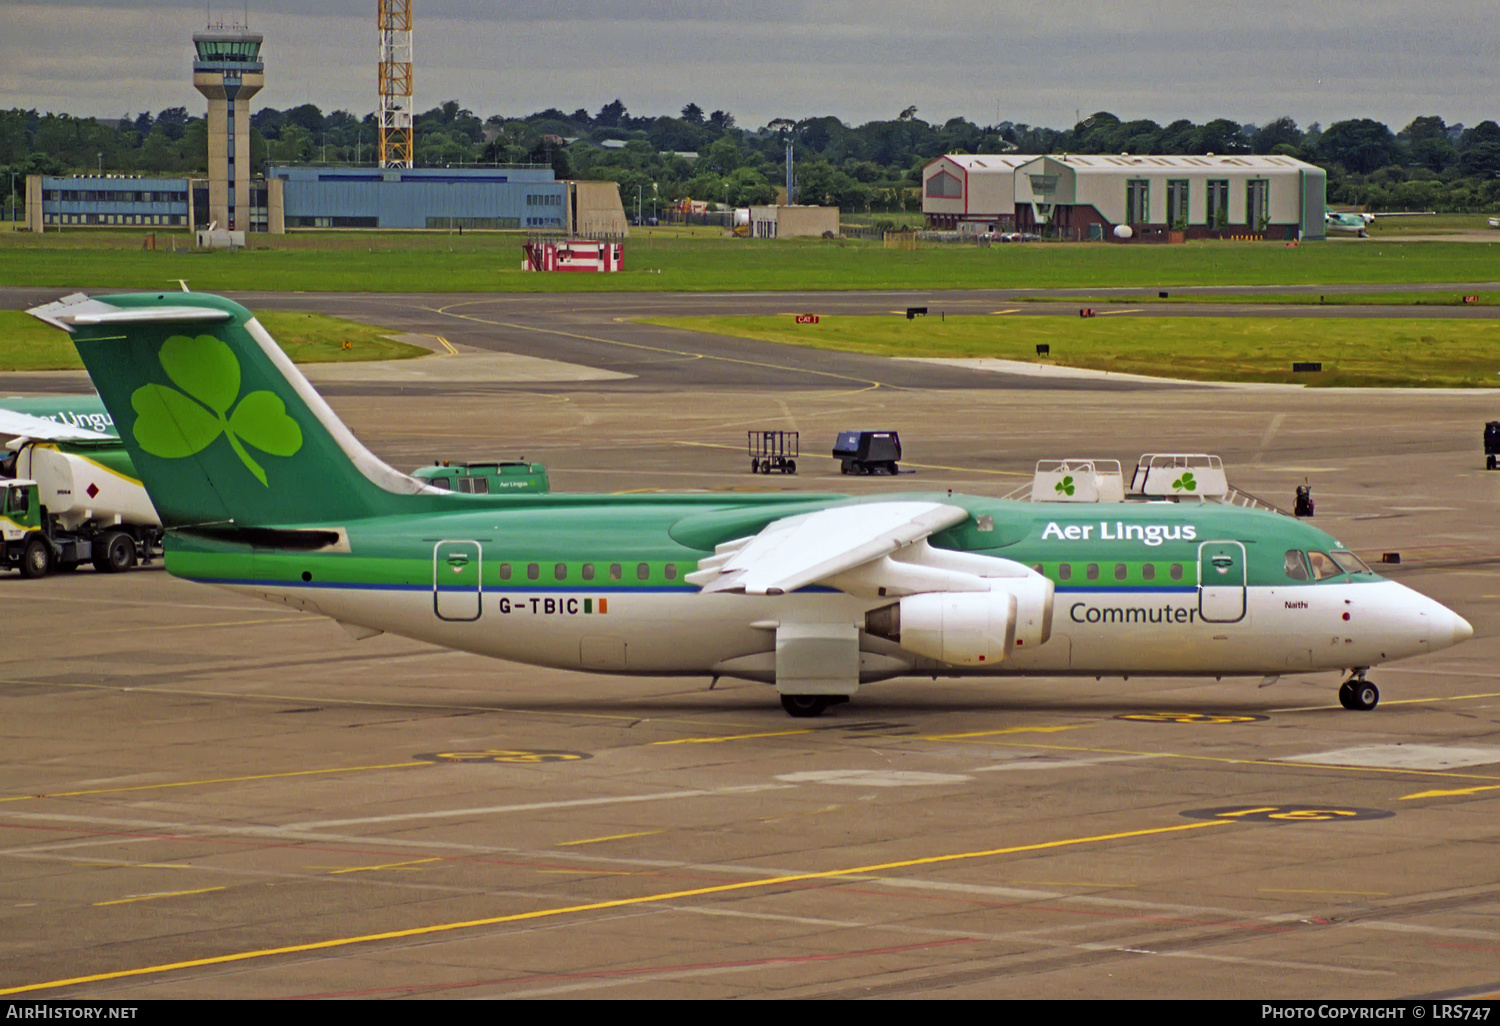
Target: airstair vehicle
x=1157 y=477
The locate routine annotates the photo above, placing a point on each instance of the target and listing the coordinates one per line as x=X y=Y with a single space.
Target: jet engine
x=969 y=628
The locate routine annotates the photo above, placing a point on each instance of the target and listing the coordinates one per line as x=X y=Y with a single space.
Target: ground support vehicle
x=75 y=504
x=867 y=452
x=772 y=451
x=1491 y=444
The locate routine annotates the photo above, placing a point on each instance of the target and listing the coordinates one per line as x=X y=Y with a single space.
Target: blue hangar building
x=332 y=197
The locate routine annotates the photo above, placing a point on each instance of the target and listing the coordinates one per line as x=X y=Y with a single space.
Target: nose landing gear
x=1358 y=693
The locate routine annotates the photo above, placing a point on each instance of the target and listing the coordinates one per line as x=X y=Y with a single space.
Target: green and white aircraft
x=265 y=491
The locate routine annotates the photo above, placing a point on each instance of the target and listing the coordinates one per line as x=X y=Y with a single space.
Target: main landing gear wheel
x=803 y=706
x=1359 y=694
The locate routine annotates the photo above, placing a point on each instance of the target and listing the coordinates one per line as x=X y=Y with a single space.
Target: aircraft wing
x=24 y=425
x=796 y=551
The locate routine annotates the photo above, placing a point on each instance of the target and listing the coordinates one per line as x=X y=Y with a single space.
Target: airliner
x=265 y=492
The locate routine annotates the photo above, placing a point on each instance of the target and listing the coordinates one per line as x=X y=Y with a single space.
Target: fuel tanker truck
x=69 y=503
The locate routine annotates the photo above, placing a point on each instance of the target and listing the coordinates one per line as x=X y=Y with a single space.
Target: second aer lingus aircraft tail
x=223 y=427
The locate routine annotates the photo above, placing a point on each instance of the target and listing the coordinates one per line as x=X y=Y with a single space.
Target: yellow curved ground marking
x=216 y=780
x=388 y=865
x=153 y=897
x=728 y=737
x=611 y=837
x=1449 y=794
x=1004 y=730
x=599 y=906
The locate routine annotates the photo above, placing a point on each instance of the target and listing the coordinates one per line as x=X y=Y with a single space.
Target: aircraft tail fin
x=223 y=429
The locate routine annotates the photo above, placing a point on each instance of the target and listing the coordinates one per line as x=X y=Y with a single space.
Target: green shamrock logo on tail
x=1065 y=486
x=1186 y=483
x=173 y=424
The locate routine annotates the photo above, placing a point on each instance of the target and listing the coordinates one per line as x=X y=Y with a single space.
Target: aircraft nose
x=1462 y=630
x=1447 y=627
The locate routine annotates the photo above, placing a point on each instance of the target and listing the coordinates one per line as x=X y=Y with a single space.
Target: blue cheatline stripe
x=428 y=587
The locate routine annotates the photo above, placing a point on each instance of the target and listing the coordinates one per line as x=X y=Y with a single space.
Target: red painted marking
x=93 y=490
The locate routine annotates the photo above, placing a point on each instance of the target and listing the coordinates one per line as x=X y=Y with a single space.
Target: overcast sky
x=1033 y=61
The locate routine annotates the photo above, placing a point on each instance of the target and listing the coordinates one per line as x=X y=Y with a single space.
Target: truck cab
x=23 y=545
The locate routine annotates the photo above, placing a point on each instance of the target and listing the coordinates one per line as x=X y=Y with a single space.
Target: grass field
x=659 y=260
x=1354 y=352
x=1428 y=224
x=26 y=344
x=1480 y=298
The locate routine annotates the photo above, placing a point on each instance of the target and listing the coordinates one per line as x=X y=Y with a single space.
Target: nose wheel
x=805 y=706
x=1358 y=693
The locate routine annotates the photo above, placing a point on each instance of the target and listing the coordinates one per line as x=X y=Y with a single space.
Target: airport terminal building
x=1159 y=198
x=523 y=197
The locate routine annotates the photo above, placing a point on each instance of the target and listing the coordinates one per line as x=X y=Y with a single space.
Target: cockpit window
x=1296 y=569
x=1323 y=566
x=1350 y=563
x=16 y=501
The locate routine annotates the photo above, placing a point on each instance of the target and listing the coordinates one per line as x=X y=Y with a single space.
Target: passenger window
x=588 y=571
x=1176 y=572
x=1037 y=567
x=1121 y=571
x=615 y=573
x=560 y=571
x=1295 y=568
x=533 y=571
x=1148 y=571
x=505 y=571
x=1065 y=571
x=642 y=571
x=1322 y=566
x=1091 y=571
x=671 y=571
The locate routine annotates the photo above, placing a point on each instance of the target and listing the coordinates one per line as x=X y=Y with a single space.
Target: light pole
x=101 y=165
x=638 y=204
x=13 y=197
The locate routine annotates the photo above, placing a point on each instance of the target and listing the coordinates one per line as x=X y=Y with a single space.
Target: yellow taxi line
x=596 y=906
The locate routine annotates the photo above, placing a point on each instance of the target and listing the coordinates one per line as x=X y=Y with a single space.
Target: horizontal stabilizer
x=80 y=309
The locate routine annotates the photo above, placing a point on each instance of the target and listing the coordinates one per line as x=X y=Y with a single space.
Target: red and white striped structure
x=574 y=255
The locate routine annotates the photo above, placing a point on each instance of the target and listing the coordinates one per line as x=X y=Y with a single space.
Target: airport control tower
x=227 y=69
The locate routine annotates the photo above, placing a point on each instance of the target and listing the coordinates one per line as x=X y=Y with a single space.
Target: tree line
x=876 y=166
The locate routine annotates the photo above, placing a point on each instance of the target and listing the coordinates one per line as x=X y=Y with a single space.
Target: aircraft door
x=1221 y=581
x=455 y=580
